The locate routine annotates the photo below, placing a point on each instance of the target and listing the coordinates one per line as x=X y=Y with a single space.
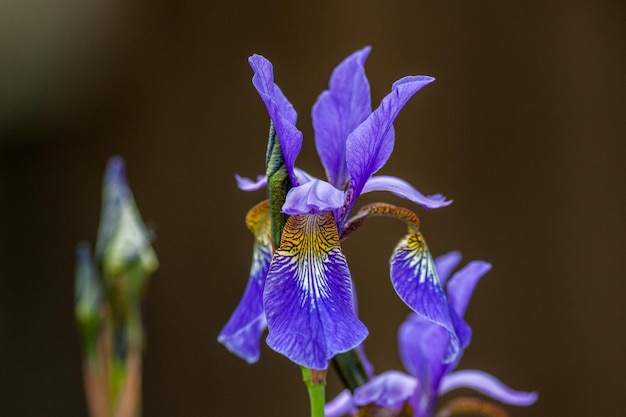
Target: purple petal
x=462 y=284
x=303 y=176
x=403 y=189
x=280 y=110
x=246 y=184
x=313 y=197
x=422 y=346
x=115 y=192
x=390 y=389
x=445 y=264
x=242 y=333
x=369 y=146
x=338 y=111
x=340 y=405
x=415 y=279
x=308 y=294
x=486 y=384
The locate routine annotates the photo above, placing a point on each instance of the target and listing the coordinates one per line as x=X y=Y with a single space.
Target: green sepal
x=88 y=302
x=278 y=184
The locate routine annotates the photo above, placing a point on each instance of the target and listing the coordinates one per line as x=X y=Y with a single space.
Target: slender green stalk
x=350 y=369
x=315 y=382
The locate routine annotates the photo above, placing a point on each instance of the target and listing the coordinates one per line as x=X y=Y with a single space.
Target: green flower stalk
x=109 y=297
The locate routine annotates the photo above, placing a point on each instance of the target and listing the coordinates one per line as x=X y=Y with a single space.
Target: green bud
x=89 y=298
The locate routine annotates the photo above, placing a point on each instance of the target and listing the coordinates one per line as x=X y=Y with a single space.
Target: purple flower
x=303 y=291
x=422 y=346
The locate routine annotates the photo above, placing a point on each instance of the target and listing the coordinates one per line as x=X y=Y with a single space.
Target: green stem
x=315 y=382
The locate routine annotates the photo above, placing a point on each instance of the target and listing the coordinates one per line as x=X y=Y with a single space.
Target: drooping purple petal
x=369 y=146
x=446 y=263
x=415 y=279
x=462 y=284
x=338 y=111
x=488 y=385
x=403 y=189
x=308 y=294
x=247 y=184
x=242 y=333
x=280 y=111
x=341 y=405
x=313 y=197
x=390 y=389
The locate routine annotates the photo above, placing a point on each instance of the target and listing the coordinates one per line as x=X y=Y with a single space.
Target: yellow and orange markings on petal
x=413 y=249
x=258 y=221
x=310 y=234
x=311 y=241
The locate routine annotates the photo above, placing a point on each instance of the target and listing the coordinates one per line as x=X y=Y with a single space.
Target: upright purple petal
x=308 y=294
x=446 y=263
x=403 y=189
x=422 y=346
x=488 y=385
x=242 y=333
x=369 y=146
x=338 y=111
x=281 y=112
x=462 y=284
x=415 y=279
x=313 y=197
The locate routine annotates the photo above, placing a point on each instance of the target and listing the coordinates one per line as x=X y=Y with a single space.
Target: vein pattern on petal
x=338 y=111
x=308 y=294
x=415 y=279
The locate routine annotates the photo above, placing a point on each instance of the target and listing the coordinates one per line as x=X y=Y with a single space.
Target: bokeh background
x=524 y=129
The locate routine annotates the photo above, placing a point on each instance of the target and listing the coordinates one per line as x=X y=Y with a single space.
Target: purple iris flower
x=302 y=290
x=422 y=346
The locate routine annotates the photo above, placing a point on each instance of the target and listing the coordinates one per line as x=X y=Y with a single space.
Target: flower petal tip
x=115 y=176
x=247 y=184
x=488 y=385
x=436 y=201
x=418 y=81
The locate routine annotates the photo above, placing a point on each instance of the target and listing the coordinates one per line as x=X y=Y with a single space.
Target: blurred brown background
x=524 y=128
